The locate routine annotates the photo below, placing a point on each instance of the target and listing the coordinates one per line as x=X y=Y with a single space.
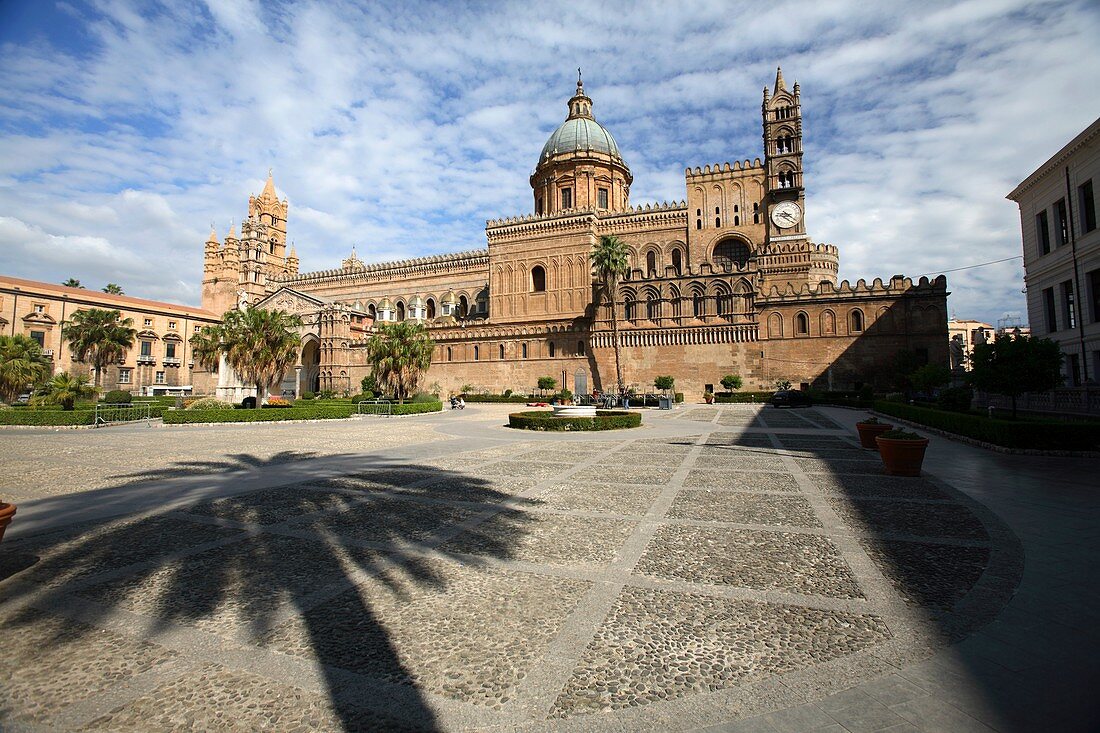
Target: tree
x=113 y=289
x=731 y=382
x=782 y=384
x=610 y=261
x=399 y=354
x=98 y=336
x=929 y=378
x=368 y=384
x=72 y=282
x=22 y=365
x=547 y=383
x=665 y=383
x=1013 y=366
x=259 y=345
x=65 y=389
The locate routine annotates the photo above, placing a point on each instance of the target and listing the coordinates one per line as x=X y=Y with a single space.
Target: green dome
x=579 y=135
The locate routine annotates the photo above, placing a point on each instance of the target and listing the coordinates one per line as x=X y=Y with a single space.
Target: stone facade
x=1061 y=246
x=160 y=360
x=725 y=281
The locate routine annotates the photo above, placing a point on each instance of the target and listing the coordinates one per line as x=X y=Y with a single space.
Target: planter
x=868 y=431
x=709 y=399
x=902 y=456
x=7 y=511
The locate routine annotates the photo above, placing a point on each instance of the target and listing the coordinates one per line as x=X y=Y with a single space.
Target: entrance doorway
x=580 y=383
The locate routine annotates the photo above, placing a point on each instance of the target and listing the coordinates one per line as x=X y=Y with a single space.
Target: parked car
x=791 y=398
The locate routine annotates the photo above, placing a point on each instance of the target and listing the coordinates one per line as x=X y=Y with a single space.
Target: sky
x=127 y=129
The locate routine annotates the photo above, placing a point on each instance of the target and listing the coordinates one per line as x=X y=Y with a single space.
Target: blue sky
x=127 y=128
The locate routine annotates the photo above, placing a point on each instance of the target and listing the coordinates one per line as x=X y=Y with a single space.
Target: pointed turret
x=779 y=85
x=269 y=188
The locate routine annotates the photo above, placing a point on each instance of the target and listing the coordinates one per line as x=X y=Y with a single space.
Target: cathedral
x=726 y=281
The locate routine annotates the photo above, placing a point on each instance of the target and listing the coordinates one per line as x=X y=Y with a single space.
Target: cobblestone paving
x=498 y=582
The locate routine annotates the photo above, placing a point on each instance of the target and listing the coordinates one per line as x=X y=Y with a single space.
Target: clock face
x=786 y=214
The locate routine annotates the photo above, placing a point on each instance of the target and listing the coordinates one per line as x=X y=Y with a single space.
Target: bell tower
x=785 y=196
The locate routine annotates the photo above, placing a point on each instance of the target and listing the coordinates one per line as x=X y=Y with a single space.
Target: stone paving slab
x=740 y=480
x=591 y=496
x=743 y=508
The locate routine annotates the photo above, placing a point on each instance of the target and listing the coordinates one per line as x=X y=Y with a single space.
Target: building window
x=502 y=351
x=1042 y=232
x=698 y=305
x=677 y=261
x=431 y=309
x=39 y=337
x=477 y=353
x=148 y=322
x=1069 y=304
x=400 y=311
x=801 y=325
x=1048 y=308
x=717 y=222
x=172 y=325
x=170 y=350
x=855 y=321
x=1094 y=292
x=567 y=198
x=730 y=252
x=756 y=213
x=601 y=198
x=146 y=348
x=124 y=376
x=580 y=348
x=1061 y=222
x=538 y=279
x=449 y=354
x=1087 y=203
x=651 y=263
x=159 y=379
x=524 y=351
x=39 y=308
x=553 y=350
x=197 y=328
x=463 y=306
x=698 y=223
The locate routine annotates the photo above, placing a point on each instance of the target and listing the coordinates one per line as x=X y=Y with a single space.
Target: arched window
x=538 y=279
x=674 y=301
x=698 y=304
x=630 y=306
x=553 y=350
x=651 y=263
x=372 y=310
x=677 y=261
x=477 y=352
x=729 y=252
x=653 y=307
x=400 y=311
x=801 y=325
x=449 y=354
x=502 y=351
x=463 y=306
x=698 y=223
x=580 y=348
x=855 y=321
x=524 y=351
x=431 y=308
x=756 y=213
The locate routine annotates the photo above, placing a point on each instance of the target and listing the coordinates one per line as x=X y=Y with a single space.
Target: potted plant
x=708 y=397
x=869 y=429
x=566 y=397
x=7 y=511
x=902 y=452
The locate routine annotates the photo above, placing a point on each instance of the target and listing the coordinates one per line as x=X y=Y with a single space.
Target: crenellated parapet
x=716 y=171
x=355 y=269
x=894 y=287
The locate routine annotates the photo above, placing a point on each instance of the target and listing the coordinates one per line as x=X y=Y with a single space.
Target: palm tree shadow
x=320 y=571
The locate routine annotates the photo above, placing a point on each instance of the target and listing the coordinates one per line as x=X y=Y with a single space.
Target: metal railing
x=109 y=413
x=375 y=407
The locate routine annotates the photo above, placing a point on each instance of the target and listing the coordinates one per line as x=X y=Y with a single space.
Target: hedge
x=1038 y=435
x=416 y=408
x=545 y=420
x=324 y=412
x=511 y=399
x=47 y=417
x=730 y=398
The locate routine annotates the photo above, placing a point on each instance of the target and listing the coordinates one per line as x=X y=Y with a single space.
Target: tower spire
x=581 y=104
x=269 y=188
x=779 y=85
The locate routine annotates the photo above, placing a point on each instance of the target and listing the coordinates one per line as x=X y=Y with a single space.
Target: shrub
x=898 y=434
x=307 y=395
x=507 y=393
x=118 y=397
x=47 y=417
x=324 y=412
x=664 y=382
x=422 y=397
x=516 y=399
x=278 y=402
x=565 y=394
x=782 y=384
x=1038 y=435
x=248 y=403
x=955 y=399
x=679 y=397
x=545 y=421
x=731 y=382
x=209 y=403
x=326 y=394
x=741 y=397
x=362 y=397
x=416 y=408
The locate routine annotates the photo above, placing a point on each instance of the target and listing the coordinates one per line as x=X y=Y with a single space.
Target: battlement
x=897 y=285
x=719 y=169
x=431 y=263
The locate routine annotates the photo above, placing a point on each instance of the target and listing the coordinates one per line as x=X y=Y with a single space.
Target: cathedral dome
x=578 y=135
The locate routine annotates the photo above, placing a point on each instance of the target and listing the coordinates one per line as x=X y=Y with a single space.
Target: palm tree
x=113 y=289
x=99 y=336
x=259 y=345
x=65 y=389
x=399 y=353
x=72 y=282
x=610 y=262
x=22 y=365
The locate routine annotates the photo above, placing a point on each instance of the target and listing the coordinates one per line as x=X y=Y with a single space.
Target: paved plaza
x=722 y=568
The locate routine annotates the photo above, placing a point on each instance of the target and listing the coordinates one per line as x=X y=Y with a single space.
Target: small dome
x=450 y=298
x=416 y=302
x=580 y=134
x=385 y=305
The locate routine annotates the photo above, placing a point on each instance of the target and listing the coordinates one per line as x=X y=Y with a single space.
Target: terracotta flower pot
x=868 y=431
x=708 y=400
x=7 y=511
x=902 y=457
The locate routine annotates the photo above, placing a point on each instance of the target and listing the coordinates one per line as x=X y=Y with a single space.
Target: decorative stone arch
x=856 y=321
x=430 y=307
x=828 y=323
x=775 y=326
x=730 y=252
x=537 y=278
x=652 y=259
x=463 y=305
x=674 y=300
x=399 y=309
x=652 y=298
x=723 y=299
x=801 y=323
x=676 y=256
x=630 y=304
x=698 y=293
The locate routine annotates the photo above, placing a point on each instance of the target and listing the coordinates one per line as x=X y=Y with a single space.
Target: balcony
x=146 y=359
x=170 y=361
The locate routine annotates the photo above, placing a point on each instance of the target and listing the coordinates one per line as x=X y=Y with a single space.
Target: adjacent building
x=1061 y=243
x=160 y=360
x=725 y=281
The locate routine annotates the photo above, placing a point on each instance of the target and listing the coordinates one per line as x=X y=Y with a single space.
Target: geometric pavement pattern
x=621 y=583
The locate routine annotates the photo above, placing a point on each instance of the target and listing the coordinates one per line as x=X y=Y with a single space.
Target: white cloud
x=402 y=128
